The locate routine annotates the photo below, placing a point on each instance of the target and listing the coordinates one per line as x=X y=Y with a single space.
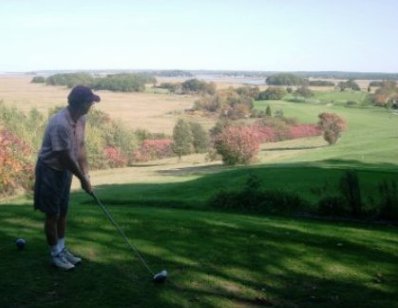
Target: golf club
x=159 y=277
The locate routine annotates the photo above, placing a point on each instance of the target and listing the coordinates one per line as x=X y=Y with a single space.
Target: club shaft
x=132 y=247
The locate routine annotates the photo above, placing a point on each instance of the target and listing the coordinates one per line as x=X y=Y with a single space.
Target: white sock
x=54 y=250
x=61 y=244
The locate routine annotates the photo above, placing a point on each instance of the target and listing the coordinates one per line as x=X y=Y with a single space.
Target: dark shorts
x=52 y=188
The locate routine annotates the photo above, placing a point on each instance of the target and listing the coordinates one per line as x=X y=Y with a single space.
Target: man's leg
x=61 y=241
x=61 y=229
x=51 y=229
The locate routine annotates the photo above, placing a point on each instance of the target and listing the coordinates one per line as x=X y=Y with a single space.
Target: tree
x=200 y=138
x=272 y=93
x=182 y=138
x=386 y=95
x=332 y=126
x=304 y=91
x=286 y=79
x=349 y=84
x=268 y=111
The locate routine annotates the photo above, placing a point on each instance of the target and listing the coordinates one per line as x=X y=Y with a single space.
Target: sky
x=252 y=35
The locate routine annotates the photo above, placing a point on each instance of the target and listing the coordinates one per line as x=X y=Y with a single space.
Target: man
x=62 y=154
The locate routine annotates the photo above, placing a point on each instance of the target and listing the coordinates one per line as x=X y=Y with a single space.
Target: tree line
x=123 y=82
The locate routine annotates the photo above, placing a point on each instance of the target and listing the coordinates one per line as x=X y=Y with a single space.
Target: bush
x=197 y=86
x=115 y=157
x=16 y=168
x=332 y=206
x=237 y=145
x=304 y=91
x=332 y=126
x=253 y=199
x=153 y=149
x=272 y=93
x=38 y=79
x=388 y=207
x=351 y=192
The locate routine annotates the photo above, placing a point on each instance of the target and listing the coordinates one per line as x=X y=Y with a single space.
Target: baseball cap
x=82 y=94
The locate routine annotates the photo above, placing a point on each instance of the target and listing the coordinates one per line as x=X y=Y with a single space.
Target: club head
x=160 y=277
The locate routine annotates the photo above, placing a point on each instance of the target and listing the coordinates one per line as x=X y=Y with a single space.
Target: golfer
x=62 y=154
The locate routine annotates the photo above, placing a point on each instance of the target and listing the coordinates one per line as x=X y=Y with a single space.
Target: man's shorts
x=52 y=188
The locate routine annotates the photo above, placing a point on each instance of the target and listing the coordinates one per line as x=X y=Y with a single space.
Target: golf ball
x=20 y=243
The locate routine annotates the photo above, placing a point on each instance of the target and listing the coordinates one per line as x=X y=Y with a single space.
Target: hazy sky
x=281 y=35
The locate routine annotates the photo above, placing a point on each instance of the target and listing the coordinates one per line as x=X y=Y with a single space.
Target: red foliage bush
x=304 y=130
x=115 y=157
x=265 y=133
x=16 y=170
x=153 y=149
x=237 y=144
x=332 y=125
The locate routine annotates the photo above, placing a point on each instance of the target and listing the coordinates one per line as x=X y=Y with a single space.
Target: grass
x=213 y=259
x=370 y=136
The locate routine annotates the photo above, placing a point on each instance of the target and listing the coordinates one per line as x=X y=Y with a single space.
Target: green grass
x=213 y=259
x=334 y=97
x=370 y=137
x=338 y=97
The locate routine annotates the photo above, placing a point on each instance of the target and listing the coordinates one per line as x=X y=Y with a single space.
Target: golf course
x=215 y=256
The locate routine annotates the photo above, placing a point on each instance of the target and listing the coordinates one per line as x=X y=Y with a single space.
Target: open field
x=154 y=112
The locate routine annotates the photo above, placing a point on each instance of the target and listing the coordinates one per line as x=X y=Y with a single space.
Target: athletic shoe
x=60 y=261
x=70 y=257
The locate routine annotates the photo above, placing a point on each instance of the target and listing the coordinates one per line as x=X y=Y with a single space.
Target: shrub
x=198 y=86
x=253 y=199
x=350 y=190
x=332 y=126
x=272 y=93
x=388 y=208
x=304 y=130
x=304 y=92
x=332 y=206
x=237 y=145
x=115 y=157
x=16 y=168
x=38 y=79
x=153 y=149
x=349 y=84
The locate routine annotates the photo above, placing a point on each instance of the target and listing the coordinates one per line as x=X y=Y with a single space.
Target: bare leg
x=50 y=228
x=61 y=226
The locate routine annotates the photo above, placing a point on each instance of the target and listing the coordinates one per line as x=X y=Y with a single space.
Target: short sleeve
x=61 y=138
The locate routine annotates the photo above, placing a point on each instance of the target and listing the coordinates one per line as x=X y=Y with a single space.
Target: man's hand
x=86 y=185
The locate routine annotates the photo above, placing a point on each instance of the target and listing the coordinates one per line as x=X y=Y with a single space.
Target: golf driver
x=159 y=277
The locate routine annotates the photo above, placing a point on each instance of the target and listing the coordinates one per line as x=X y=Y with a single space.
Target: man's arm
x=68 y=163
x=82 y=159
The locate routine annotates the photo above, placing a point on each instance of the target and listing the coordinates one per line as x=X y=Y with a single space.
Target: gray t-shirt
x=61 y=134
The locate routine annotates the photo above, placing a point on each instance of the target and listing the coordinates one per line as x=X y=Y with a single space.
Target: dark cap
x=82 y=94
